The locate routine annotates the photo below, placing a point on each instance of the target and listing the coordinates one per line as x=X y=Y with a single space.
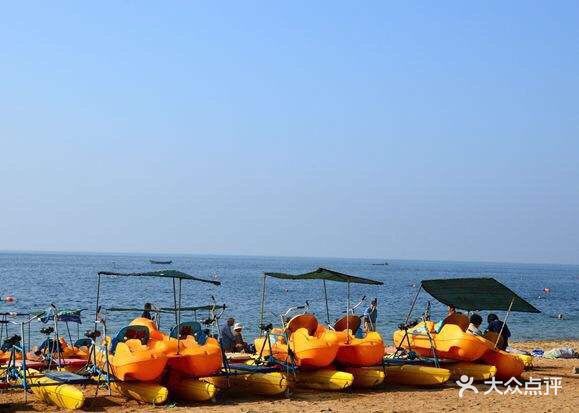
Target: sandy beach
x=386 y=399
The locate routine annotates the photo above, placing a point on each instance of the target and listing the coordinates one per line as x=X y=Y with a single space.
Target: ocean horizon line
x=153 y=255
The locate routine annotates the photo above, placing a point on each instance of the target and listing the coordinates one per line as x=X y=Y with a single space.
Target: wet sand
x=386 y=399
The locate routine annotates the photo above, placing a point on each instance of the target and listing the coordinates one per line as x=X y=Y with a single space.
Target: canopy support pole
x=23 y=337
x=413 y=304
x=348 y=315
x=57 y=337
x=504 y=322
x=405 y=336
x=262 y=304
x=24 y=368
x=327 y=308
x=96 y=315
x=175 y=301
x=179 y=318
x=69 y=335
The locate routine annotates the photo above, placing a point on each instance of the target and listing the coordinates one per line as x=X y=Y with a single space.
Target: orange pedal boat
x=132 y=355
x=451 y=342
x=508 y=365
x=72 y=351
x=357 y=352
x=197 y=359
x=311 y=344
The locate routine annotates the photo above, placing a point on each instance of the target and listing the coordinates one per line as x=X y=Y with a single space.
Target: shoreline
x=384 y=399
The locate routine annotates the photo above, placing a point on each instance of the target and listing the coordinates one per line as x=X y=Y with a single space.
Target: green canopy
x=164 y=274
x=198 y=308
x=324 y=274
x=167 y=309
x=134 y=309
x=476 y=294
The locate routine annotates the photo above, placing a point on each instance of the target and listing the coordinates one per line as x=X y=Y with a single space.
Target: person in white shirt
x=473 y=327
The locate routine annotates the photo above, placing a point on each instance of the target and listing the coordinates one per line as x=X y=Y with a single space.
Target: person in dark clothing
x=496 y=325
x=370 y=316
x=226 y=335
x=147 y=312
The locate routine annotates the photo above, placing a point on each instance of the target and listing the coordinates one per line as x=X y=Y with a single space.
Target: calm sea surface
x=69 y=280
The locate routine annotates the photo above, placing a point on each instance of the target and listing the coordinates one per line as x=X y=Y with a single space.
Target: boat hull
x=324 y=379
x=479 y=372
x=263 y=384
x=49 y=391
x=366 y=377
x=508 y=365
x=416 y=375
x=189 y=389
x=151 y=393
x=526 y=359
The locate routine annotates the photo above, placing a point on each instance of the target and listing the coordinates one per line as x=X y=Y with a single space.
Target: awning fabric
x=163 y=274
x=198 y=308
x=324 y=274
x=72 y=316
x=166 y=309
x=473 y=294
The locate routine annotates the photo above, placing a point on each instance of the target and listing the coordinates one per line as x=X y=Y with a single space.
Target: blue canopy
x=69 y=316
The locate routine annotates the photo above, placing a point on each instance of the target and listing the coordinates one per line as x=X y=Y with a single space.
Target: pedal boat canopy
x=324 y=274
x=176 y=276
x=472 y=294
x=65 y=315
x=170 y=309
x=163 y=274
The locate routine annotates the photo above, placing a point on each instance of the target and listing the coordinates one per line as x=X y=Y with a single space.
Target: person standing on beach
x=226 y=335
x=370 y=316
x=499 y=327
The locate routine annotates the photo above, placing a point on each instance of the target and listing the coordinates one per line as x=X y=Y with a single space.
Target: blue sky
x=374 y=129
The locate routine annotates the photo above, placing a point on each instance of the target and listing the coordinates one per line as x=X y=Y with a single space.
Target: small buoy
x=10 y=299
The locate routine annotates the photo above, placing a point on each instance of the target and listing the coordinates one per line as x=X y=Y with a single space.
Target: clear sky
x=446 y=130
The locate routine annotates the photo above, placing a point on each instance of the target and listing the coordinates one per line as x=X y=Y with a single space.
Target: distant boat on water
x=380 y=263
x=160 y=262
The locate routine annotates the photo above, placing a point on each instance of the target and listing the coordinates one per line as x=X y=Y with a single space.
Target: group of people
x=232 y=338
x=231 y=333
x=495 y=325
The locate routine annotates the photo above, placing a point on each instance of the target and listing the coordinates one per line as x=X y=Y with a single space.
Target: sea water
x=70 y=280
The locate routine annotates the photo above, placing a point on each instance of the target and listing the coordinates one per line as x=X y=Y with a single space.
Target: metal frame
x=12 y=372
x=263 y=297
x=432 y=345
x=177 y=293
